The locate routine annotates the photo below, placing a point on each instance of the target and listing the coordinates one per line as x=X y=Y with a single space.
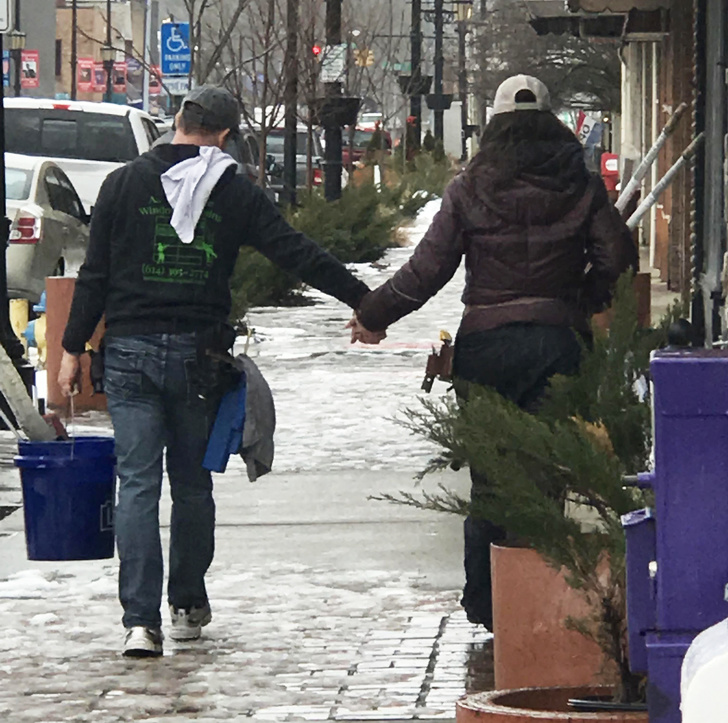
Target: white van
x=87 y=140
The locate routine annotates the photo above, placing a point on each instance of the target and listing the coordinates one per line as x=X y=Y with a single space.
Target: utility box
x=678 y=565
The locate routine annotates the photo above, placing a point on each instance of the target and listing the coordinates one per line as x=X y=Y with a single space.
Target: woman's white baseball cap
x=505 y=96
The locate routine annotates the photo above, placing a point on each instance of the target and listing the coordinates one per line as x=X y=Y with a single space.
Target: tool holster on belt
x=439 y=362
x=96 y=370
x=215 y=363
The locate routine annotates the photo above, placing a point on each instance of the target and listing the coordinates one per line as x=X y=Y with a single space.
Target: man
x=165 y=235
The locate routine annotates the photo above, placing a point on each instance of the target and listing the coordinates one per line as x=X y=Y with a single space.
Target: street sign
x=176 y=86
x=4 y=16
x=333 y=63
x=176 y=54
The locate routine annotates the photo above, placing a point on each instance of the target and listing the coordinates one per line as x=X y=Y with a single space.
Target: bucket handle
x=71 y=421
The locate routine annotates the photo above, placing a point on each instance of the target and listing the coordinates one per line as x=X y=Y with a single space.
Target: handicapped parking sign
x=176 y=55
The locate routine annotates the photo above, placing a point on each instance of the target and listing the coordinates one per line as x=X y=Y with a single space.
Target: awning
x=616 y=6
x=550 y=17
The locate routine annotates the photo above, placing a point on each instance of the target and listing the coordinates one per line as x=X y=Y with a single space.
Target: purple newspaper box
x=691 y=487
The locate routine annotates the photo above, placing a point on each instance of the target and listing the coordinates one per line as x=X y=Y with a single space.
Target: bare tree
x=244 y=52
x=577 y=71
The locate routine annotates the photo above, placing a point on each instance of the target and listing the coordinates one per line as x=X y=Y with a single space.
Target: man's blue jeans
x=155 y=402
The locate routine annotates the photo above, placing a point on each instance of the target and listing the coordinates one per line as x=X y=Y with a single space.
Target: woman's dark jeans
x=517 y=360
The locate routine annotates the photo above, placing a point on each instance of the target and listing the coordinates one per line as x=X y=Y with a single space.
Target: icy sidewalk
x=327 y=606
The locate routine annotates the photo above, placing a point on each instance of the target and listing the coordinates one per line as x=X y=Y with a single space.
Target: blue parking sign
x=175 y=50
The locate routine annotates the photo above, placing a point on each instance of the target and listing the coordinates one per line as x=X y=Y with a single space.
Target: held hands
x=362 y=334
x=69 y=377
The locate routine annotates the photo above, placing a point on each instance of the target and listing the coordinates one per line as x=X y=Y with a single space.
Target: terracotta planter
x=643 y=292
x=532 y=645
x=527 y=705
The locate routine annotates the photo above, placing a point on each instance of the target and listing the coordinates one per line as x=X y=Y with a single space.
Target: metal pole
x=332 y=131
x=17 y=52
x=714 y=232
x=439 y=62
x=291 y=104
x=664 y=182
x=145 y=55
x=648 y=160
x=10 y=342
x=74 y=49
x=108 y=96
x=463 y=89
x=416 y=71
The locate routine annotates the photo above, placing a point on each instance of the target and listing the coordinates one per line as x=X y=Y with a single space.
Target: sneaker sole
x=140 y=653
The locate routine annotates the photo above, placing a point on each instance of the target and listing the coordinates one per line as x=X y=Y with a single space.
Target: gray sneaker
x=141 y=642
x=187 y=623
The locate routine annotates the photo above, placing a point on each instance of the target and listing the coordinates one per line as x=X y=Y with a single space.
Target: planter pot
x=643 y=292
x=527 y=705
x=532 y=645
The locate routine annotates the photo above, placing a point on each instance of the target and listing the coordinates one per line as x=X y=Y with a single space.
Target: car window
x=69 y=134
x=151 y=130
x=17 y=183
x=243 y=149
x=276 y=139
x=254 y=149
x=70 y=196
x=61 y=194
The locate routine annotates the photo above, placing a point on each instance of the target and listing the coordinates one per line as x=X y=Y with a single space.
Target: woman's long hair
x=516 y=142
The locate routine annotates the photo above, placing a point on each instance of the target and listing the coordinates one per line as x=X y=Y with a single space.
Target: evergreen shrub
x=424 y=179
x=358 y=228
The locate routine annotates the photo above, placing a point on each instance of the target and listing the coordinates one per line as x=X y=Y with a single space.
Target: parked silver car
x=49 y=227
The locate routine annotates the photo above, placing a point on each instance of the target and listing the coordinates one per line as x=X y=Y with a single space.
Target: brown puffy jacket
x=544 y=247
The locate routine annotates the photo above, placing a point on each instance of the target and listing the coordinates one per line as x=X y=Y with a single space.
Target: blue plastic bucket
x=69 y=491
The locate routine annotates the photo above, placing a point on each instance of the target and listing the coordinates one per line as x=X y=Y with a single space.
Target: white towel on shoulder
x=188 y=186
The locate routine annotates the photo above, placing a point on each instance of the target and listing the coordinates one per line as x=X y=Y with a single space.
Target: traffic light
x=316 y=50
x=364 y=57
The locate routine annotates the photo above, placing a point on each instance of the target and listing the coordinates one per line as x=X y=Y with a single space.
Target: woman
x=543 y=248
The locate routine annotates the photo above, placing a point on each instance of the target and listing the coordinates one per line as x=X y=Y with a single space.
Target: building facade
x=38 y=63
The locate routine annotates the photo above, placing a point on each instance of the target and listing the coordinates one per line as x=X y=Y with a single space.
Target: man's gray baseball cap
x=217 y=108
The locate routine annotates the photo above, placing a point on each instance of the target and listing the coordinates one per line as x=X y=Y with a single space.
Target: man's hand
x=362 y=334
x=69 y=377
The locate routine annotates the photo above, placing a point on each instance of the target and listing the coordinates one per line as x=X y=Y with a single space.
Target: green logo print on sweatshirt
x=171 y=260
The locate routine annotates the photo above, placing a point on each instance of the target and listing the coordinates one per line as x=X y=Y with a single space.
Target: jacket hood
x=538 y=185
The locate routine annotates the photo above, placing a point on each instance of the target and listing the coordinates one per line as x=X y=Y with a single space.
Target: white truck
x=86 y=139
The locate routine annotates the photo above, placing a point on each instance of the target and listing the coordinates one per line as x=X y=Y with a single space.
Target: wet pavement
x=322 y=610
x=327 y=605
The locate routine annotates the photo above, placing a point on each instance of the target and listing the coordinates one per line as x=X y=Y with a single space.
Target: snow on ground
x=336 y=403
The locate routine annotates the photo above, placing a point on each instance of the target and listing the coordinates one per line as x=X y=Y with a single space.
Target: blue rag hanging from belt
x=244 y=424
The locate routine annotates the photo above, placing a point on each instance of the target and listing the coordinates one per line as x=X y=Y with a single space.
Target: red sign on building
x=118 y=76
x=155 y=73
x=85 y=67
x=29 y=62
x=99 y=78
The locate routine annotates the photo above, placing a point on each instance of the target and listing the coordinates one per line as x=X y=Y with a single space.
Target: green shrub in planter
x=357 y=228
x=425 y=179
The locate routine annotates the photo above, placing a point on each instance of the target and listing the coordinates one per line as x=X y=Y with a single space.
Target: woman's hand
x=362 y=334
